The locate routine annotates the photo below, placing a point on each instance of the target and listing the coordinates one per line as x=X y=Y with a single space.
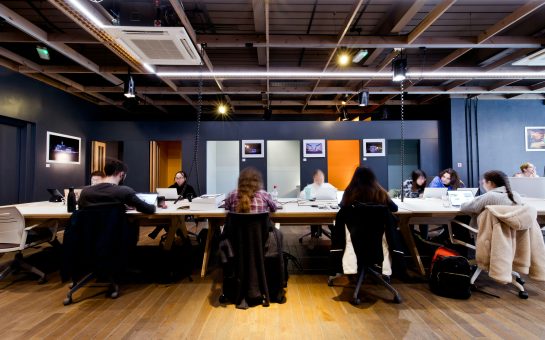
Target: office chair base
x=523 y=295
x=18 y=264
x=361 y=276
x=113 y=290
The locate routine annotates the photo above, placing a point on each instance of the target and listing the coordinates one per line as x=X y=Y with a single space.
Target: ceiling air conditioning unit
x=535 y=59
x=157 y=45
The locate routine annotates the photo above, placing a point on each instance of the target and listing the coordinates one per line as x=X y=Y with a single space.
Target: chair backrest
x=366 y=224
x=97 y=239
x=12 y=226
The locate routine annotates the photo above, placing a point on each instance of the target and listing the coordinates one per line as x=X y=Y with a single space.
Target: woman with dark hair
x=498 y=192
x=414 y=187
x=180 y=183
x=447 y=178
x=249 y=197
x=364 y=188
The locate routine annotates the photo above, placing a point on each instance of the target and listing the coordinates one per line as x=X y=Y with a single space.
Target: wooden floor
x=190 y=310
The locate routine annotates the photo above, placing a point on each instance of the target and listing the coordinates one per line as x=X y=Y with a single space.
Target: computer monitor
x=435 y=192
x=533 y=187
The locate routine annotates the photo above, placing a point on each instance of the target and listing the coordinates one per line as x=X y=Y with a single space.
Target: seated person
x=112 y=190
x=318 y=183
x=97 y=177
x=527 y=170
x=365 y=188
x=185 y=190
x=414 y=187
x=447 y=178
x=249 y=197
x=498 y=192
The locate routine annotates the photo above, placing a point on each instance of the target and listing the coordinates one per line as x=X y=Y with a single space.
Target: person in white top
x=527 y=170
x=318 y=184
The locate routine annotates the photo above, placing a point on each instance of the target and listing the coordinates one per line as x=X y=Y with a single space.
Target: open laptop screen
x=148 y=198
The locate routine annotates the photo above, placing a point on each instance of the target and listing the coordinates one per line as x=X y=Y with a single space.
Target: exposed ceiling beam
x=501 y=84
x=489 y=33
x=258 y=7
x=177 y=6
x=508 y=59
x=509 y=20
x=346 y=26
x=432 y=16
x=538 y=86
x=280 y=103
x=455 y=83
x=407 y=16
x=380 y=41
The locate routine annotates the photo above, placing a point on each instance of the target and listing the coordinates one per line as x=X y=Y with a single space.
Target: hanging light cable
x=402 y=138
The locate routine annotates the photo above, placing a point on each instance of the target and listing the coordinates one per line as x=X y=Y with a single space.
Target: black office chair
x=252 y=273
x=96 y=245
x=366 y=224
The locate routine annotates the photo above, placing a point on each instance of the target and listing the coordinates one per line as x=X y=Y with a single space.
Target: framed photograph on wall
x=62 y=148
x=253 y=148
x=374 y=147
x=535 y=138
x=313 y=147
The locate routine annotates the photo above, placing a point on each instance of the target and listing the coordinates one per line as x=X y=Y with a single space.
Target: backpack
x=450 y=274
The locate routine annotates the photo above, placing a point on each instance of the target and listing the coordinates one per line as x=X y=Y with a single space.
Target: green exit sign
x=43 y=52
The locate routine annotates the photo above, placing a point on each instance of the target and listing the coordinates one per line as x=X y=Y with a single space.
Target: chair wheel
x=114 y=295
x=397 y=299
x=42 y=280
x=330 y=282
x=67 y=301
x=523 y=295
x=520 y=280
x=222 y=299
x=356 y=301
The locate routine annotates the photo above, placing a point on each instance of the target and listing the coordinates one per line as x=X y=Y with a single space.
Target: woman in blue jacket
x=447 y=178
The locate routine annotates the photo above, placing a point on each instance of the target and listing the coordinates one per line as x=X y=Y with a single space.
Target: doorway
x=343 y=157
x=284 y=167
x=165 y=161
x=100 y=150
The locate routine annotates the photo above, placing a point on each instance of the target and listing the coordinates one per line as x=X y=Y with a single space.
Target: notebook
x=435 y=192
x=168 y=193
x=148 y=198
x=458 y=197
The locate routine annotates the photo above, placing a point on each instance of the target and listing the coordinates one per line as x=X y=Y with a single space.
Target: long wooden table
x=411 y=211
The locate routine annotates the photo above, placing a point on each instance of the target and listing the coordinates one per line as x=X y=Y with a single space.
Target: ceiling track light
x=399 y=68
x=129 y=89
x=363 y=98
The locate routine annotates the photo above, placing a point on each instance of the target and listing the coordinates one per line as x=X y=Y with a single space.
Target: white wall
x=284 y=167
x=222 y=166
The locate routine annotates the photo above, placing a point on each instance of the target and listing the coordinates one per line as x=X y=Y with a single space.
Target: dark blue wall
x=498 y=136
x=136 y=137
x=44 y=108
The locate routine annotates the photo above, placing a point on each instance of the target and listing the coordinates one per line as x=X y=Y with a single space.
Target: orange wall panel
x=343 y=156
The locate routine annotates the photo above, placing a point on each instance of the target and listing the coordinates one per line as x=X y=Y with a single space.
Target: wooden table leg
x=409 y=241
x=176 y=223
x=213 y=224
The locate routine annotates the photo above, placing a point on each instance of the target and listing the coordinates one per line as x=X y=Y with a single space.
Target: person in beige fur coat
x=509 y=237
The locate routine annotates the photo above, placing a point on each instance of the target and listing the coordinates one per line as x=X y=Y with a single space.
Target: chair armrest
x=466 y=226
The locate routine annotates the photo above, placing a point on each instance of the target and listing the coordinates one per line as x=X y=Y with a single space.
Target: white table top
x=290 y=209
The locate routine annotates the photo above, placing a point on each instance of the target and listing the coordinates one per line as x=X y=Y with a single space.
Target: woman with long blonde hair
x=249 y=197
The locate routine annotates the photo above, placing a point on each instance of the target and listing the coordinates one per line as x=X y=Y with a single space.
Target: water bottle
x=274 y=194
x=71 y=200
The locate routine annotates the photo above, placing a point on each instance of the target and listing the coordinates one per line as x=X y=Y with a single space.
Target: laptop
x=435 y=192
x=168 y=193
x=148 y=198
x=326 y=194
x=458 y=197
x=528 y=187
x=473 y=190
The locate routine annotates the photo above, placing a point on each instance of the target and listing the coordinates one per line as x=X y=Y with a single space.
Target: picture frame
x=314 y=148
x=534 y=137
x=374 y=147
x=61 y=148
x=253 y=148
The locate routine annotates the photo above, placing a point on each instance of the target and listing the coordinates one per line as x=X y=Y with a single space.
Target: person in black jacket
x=112 y=190
x=180 y=183
x=362 y=189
